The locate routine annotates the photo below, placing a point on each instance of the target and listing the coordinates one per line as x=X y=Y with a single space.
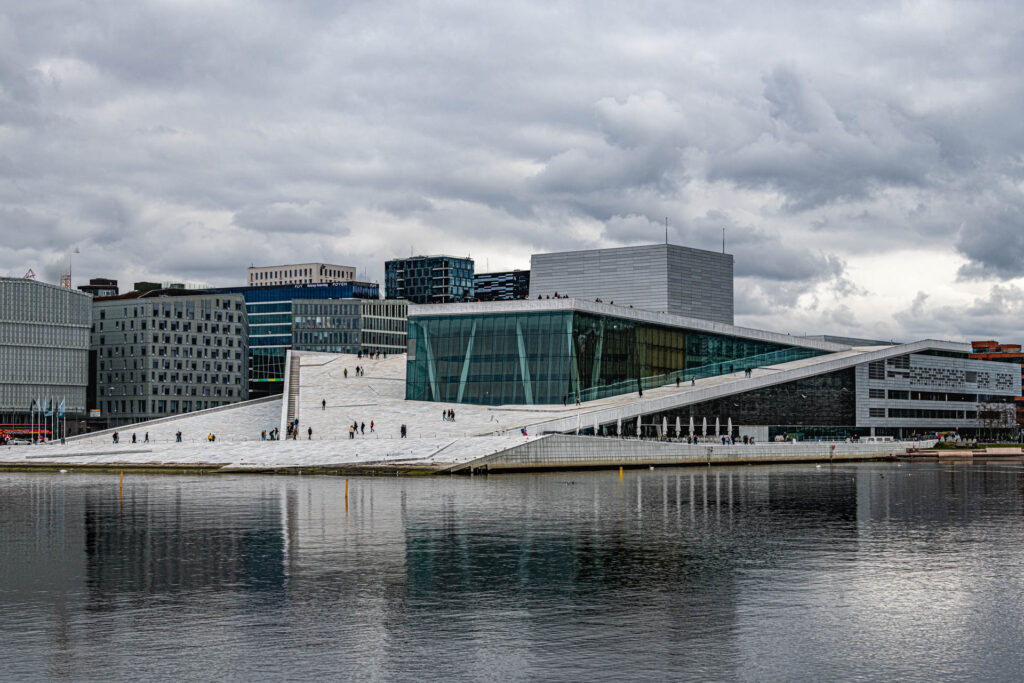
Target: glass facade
x=44 y=347
x=270 y=311
x=551 y=357
x=429 y=279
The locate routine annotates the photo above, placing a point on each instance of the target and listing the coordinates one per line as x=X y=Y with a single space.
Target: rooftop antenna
x=666 y=230
x=723 y=240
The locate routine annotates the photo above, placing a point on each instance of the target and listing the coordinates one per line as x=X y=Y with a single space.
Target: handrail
x=699 y=372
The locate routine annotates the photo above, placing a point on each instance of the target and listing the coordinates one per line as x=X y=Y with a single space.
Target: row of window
x=155 y=406
x=924 y=413
x=907 y=395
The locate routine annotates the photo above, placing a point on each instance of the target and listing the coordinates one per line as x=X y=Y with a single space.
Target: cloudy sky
x=864 y=158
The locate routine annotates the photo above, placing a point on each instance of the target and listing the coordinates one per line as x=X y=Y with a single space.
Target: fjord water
x=869 y=571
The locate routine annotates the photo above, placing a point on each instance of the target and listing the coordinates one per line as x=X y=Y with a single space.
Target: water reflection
x=793 y=572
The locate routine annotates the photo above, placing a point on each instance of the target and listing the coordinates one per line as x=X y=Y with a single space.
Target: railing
x=699 y=372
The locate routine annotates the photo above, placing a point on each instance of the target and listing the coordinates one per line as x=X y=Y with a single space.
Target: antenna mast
x=666 y=230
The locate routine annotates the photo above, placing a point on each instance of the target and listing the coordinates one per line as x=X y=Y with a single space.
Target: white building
x=299 y=274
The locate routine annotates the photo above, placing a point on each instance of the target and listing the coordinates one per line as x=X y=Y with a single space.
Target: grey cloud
x=188 y=141
x=994 y=245
x=998 y=314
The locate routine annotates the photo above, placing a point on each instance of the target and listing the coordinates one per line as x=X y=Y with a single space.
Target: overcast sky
x=864 y=158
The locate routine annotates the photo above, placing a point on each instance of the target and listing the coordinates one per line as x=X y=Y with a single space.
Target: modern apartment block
x=298 y=274
x=429 y=279
x=270 y=311
x=664 y=278
x=504 y=286
x=44 y=348
x=167 y=352
x=350 y=325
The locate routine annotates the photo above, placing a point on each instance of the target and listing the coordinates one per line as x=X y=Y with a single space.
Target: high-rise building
x=44 y=351
x=429 y=279
x=100 y=286
x=166 y=352
x=270 y=311
x=504 y=286
x=298 y=274
x=664 y=278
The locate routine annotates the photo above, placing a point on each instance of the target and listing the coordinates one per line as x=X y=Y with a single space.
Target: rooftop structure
x=99 y=286
x=429 y=279
x=660 y=277
x=350 y=325
x=298 y=274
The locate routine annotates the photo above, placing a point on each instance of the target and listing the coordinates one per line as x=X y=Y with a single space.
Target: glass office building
x=429 y=279
x=270 y=311
x=546 y=357
x=350 y=325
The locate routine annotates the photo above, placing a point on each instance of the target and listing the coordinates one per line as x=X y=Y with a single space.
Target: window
x=876 y=393
x=876 y=412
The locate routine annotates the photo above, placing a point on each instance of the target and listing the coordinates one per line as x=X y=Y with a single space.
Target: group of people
x=448 y=415
x=360 y=371
x=211 y=437
x=359 y=428
x=372 y=355
x=273 y=435
x=293 y=430
x=116 y=437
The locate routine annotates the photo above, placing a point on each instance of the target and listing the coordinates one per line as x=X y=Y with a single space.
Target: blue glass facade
x=270 y=325
x=551 y=357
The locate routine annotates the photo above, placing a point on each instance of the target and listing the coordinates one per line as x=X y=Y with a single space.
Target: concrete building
x=167 y=352
x=100 y=286
x=298 y=274
x=429 y=279
x=682 y=281
x=44 y=349
x=504 y=286
x=350 y=325
x=270 y=311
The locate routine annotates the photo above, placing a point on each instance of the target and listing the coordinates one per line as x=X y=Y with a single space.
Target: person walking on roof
x=309 y=433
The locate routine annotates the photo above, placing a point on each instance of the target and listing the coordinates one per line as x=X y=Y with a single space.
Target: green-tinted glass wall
x=548 y=358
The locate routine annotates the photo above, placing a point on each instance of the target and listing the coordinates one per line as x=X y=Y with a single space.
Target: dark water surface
x=857 y=572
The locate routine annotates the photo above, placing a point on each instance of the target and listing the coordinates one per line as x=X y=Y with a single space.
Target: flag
x=49 y=409
x=60 y=409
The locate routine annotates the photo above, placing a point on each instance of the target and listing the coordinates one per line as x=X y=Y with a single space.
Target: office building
x=100 y=286
x=298 y=274
x=505 y=286
x=429 y=279
x=166 y=352
x=270 y=311
x=1002 y=353
x=770 y=384
x=44 y=350
x=665 y=278
x=350 y=325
